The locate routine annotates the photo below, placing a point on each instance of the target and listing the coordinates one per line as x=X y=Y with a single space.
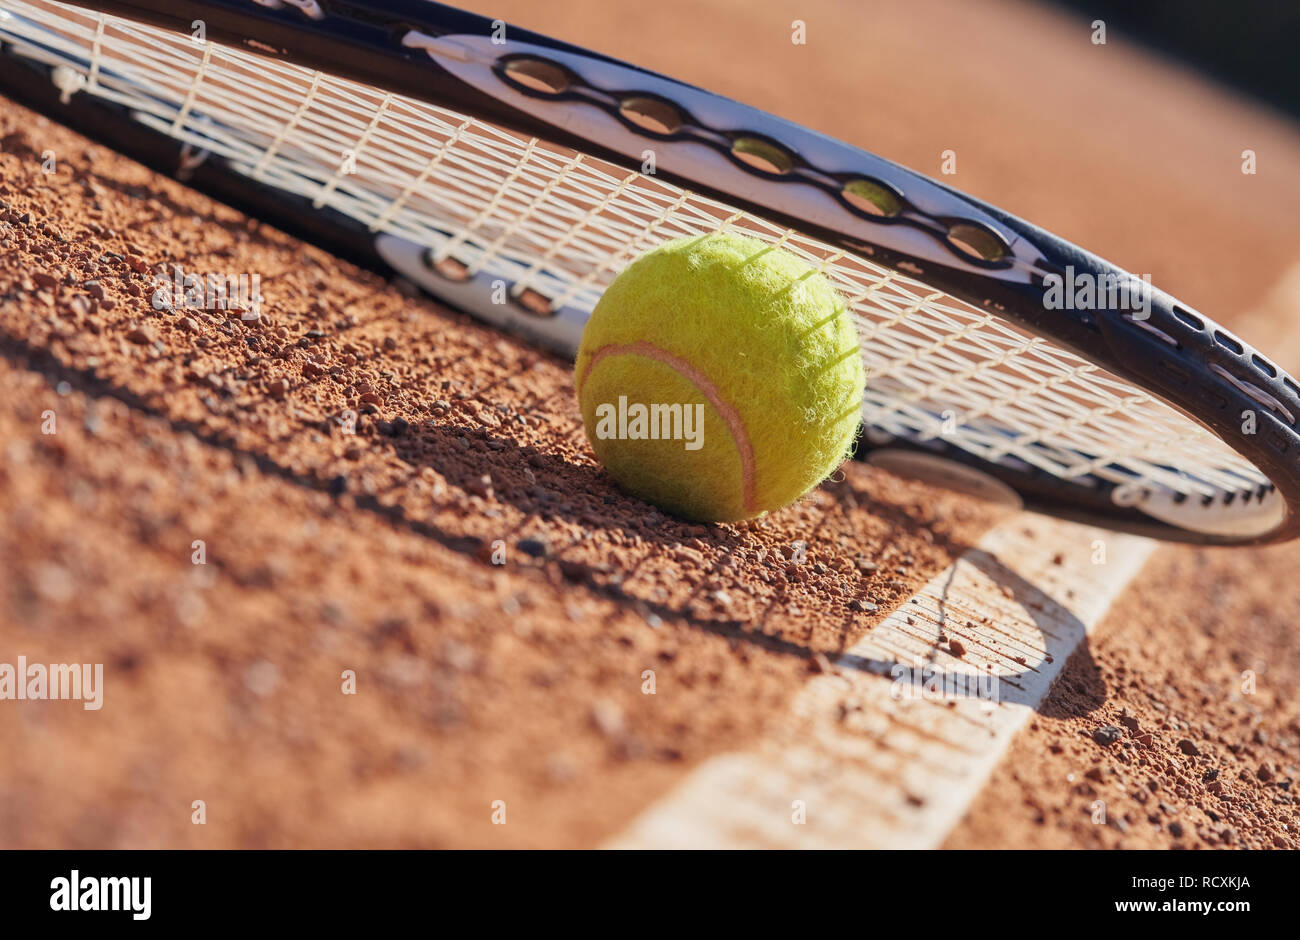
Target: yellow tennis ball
x=720 y=377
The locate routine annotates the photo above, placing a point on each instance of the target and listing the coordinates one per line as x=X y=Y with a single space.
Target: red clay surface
x=371 y=554
x=1201 y=690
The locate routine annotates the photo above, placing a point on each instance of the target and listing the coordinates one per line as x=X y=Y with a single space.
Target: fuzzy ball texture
x=720 y=377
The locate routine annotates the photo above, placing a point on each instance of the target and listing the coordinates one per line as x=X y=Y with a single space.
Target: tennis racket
x=513 y=176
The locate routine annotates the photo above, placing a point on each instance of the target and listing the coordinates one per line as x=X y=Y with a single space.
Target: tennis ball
x=720 y=378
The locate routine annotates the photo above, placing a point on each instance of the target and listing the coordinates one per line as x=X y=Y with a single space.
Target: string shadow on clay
x=544 y=484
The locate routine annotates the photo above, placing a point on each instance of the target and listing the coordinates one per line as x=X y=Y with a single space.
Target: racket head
x=1126 y=417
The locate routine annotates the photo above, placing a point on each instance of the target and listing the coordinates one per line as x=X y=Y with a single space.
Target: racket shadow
x=535 y=481
x=1064 y=682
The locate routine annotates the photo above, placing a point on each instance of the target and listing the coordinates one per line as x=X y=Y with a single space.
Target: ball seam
x=730 y=417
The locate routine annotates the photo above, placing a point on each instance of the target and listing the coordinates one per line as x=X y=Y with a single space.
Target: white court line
x=877 y=770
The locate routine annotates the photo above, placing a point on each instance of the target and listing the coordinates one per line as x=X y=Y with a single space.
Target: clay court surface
x=523 y=682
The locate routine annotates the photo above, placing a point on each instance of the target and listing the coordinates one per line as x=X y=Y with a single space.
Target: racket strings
x=561 y=224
